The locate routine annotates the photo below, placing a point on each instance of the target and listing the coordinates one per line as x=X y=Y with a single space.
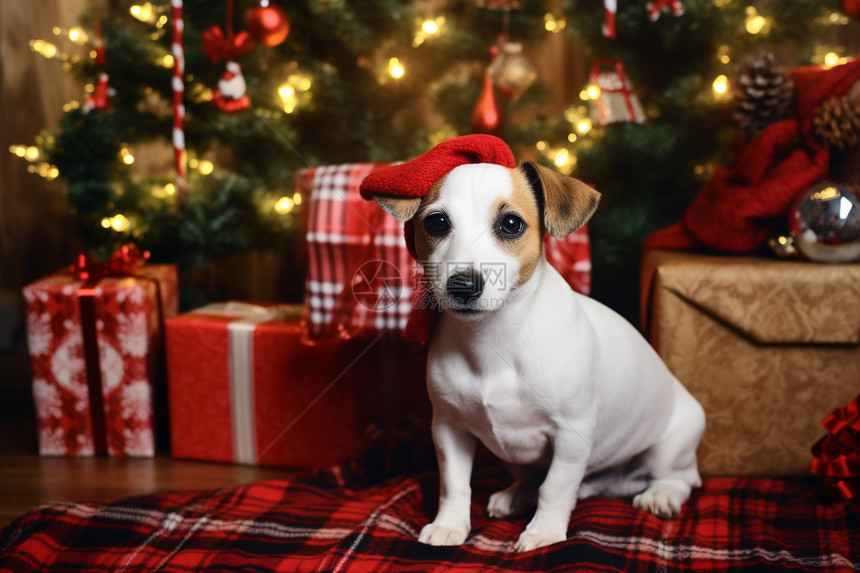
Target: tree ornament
x=656 y=7
x=231 y=94
x=610 y=7
x=268 y=23
x=851 y=8
x=617 y=101
x=764 y=93
x=511 y=71
x=825 y=223
x=837 y=121
x=100 y=98
x=219 y=46
x=487 y=117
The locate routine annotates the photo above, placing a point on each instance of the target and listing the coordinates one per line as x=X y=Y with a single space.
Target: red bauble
x=851 y=8
x=268 y=23
x=487 y=117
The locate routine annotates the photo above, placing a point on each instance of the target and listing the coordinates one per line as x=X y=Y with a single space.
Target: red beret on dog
x=415 y=178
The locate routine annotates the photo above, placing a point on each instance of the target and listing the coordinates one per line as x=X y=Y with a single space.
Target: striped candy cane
x=609 y=9
x=178 y=99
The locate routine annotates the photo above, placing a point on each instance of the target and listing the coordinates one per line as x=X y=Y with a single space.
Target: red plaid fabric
x=360 y=274
x=310 y=525
x=348 y=239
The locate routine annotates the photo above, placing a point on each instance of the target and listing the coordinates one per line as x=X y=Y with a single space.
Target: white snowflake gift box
x=95 y=342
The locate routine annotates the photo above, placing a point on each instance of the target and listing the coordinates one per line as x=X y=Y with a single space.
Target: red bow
x=218 y=47
x=837 y=455
x=122 y=263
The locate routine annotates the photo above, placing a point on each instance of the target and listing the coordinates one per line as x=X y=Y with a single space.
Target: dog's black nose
x=465 y=287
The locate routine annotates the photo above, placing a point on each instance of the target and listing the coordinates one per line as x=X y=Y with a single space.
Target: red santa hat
x=415 y=178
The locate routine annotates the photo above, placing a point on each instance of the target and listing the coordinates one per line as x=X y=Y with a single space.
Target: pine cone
x=837 y=121
x=764 y=93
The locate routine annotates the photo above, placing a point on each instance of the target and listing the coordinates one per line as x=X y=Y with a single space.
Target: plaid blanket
x=316 y=523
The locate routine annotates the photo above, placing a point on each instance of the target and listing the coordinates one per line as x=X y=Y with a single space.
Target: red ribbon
x=220 y=47
x=123 y=262
x=837 y=455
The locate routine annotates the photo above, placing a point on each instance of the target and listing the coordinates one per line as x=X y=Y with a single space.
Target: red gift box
x=94 y=347
x=245 y=388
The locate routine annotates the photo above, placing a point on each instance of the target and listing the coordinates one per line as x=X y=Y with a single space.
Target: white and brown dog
x=561 y=388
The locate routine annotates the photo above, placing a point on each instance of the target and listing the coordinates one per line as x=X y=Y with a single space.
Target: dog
x=562 y=389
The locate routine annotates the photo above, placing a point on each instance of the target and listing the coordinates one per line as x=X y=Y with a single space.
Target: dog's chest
x=504 y=413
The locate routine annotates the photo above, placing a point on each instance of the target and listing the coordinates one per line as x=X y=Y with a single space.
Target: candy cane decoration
x=178 y=99
x=654 y=8
x=609 y=9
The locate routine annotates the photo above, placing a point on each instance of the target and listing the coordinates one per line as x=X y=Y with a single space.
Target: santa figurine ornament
x=231 y=94
x=100 y=98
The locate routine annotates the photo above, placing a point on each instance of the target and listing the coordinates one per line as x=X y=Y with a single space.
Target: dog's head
x=479 y=230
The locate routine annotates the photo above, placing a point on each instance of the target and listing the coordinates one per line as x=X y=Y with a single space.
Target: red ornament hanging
x=487 y=117
x=231 y=95
x=851 y=8
x=268 y=23
x=100 y=97
x=655 y=7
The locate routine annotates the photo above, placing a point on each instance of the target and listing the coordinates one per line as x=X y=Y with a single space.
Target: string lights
x=721 y=86
x=294 y=91
x=554 y=24
x=395 y=68
x=429 y=28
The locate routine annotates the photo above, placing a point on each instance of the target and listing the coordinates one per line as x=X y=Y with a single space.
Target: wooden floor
x=28 y=481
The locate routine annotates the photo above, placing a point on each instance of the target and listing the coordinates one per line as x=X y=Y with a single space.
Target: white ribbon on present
x=241 y=366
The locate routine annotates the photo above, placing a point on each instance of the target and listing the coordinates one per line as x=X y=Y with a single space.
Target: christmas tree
x=335 y=82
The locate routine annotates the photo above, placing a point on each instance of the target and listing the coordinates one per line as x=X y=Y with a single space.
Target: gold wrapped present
x=768 y=347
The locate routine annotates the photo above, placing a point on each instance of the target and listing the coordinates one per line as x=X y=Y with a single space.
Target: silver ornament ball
x=825 y=223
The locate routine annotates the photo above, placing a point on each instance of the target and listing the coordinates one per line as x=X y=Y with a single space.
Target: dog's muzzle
x=465 y=287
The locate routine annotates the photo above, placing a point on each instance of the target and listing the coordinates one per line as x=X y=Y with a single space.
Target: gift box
x=95 y=347
x=617 y=101
x=361 y=279
x=246 y=387
x=767 y=346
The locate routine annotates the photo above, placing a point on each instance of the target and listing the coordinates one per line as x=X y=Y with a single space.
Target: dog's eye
x=511 y=226
x=437 y=224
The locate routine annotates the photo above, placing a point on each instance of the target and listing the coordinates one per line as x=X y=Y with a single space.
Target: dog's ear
x=403 y=208
x=567 y=203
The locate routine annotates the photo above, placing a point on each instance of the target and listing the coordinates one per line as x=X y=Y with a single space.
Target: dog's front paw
x=534 y=538
x=439 y=534
x=663 y=499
